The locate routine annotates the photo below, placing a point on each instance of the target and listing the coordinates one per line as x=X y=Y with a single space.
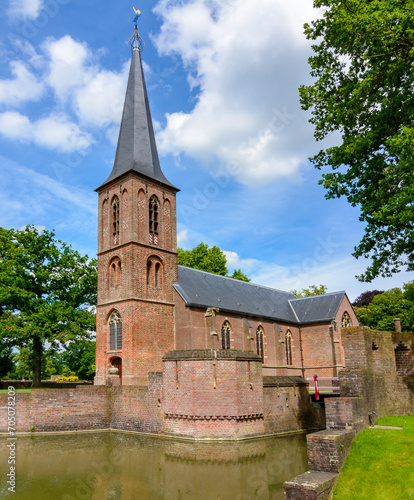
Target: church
x=150 y=308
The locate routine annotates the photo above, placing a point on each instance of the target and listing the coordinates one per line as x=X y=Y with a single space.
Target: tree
x=363 y=65
x=309 y=292
x=238 y=275
x=46 y=289
x=366 y=298
x=6 y=359
x=79 y=357
x=210 y=259
x=385 y=307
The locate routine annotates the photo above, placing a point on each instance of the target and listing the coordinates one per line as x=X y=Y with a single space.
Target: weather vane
x=136 y=42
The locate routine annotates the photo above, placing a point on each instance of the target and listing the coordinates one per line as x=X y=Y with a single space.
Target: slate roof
x=319 y=308
x=136 y=150
x=202 y=289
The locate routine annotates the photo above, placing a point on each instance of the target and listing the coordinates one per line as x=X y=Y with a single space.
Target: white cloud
x=248 y=60
x=25 y=86
x=100 y=101
x=95 y=95
x=67 y=59
x=53 y=132
x=182 y=236
x=91 y=95
x=235 y=262
x=25 y=9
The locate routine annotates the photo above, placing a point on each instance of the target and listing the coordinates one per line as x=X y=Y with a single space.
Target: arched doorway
x=117 y=363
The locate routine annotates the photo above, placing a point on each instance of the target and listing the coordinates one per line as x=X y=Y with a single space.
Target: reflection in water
x=126 y=466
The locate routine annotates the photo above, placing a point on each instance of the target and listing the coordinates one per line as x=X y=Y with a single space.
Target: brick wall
x=288 y=406
x=327 y=450
x=379 y=376
x=379 y=367
x=143 y=299
x=212 y=394
x=83 y=408
x=346 y=413
x=138 y=408
x=193 y=332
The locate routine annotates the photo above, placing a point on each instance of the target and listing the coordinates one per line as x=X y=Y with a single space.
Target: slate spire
x=136 y=149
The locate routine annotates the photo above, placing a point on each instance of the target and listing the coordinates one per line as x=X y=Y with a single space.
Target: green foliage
x=309 y=292
x=363 y=66
x=380 y=313
x=6 y=360
x=46 y=289
x=238 y=275
x=380 y=464
x=203 y=257
x=79 y=357
x=210 y=259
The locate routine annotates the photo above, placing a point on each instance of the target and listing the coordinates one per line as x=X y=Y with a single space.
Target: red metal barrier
x=315 y=379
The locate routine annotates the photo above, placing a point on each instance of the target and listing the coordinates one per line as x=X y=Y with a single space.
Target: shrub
x=71 y=378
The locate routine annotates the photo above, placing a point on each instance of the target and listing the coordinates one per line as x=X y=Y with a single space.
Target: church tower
x=137 y=248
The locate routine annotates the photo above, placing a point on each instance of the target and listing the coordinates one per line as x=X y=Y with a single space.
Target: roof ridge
x=235 y=279
x=319 y=295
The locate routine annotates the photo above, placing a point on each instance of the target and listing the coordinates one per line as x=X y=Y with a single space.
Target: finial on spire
x=136 y=42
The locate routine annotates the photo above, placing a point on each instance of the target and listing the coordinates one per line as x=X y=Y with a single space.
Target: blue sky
x=222 y=78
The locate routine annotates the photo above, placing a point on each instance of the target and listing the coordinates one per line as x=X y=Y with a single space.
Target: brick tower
x=137 y=259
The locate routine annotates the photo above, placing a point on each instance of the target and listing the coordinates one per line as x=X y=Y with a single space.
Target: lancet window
x=154 y=220
x=115 y=332
x=346 y=320
x=115 y=220
x=259 y=342
x=288 y=347
x=225 y=335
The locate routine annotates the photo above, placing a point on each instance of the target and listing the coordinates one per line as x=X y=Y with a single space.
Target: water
x=115 y=466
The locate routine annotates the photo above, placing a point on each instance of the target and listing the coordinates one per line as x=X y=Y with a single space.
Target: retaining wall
x=286 y=402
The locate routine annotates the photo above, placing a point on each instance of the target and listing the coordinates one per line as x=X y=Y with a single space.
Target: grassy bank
x=3 y=391
x=380 y=464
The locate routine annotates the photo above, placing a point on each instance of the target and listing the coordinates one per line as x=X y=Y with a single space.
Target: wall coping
x=284 y=381
x=210 y=354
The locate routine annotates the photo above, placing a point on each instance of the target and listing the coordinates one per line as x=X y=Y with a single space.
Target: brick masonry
x=135 y=278
x=379 y=376
x=213 y=394
x=288 y=407
x=313 y=485
x=194 y=410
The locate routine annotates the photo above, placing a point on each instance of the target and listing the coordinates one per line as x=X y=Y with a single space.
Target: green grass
x=380 y=464
x=2 y=391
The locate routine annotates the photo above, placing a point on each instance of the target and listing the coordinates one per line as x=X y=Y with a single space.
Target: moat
x=113 y=465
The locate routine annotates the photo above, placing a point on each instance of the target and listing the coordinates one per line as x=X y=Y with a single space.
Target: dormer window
x=154 y=220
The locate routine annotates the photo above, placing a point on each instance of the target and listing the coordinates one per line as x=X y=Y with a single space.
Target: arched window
x=157 y=274
x=346 y=320
x=153 y=220
x=115 y=220
x=149 y=273
x=225 y=335
x=115 y=332
x=115 y=273
x=259 y=342
x=288 y=347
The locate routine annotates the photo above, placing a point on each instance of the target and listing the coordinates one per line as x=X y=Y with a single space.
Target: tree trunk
x=37 y=362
